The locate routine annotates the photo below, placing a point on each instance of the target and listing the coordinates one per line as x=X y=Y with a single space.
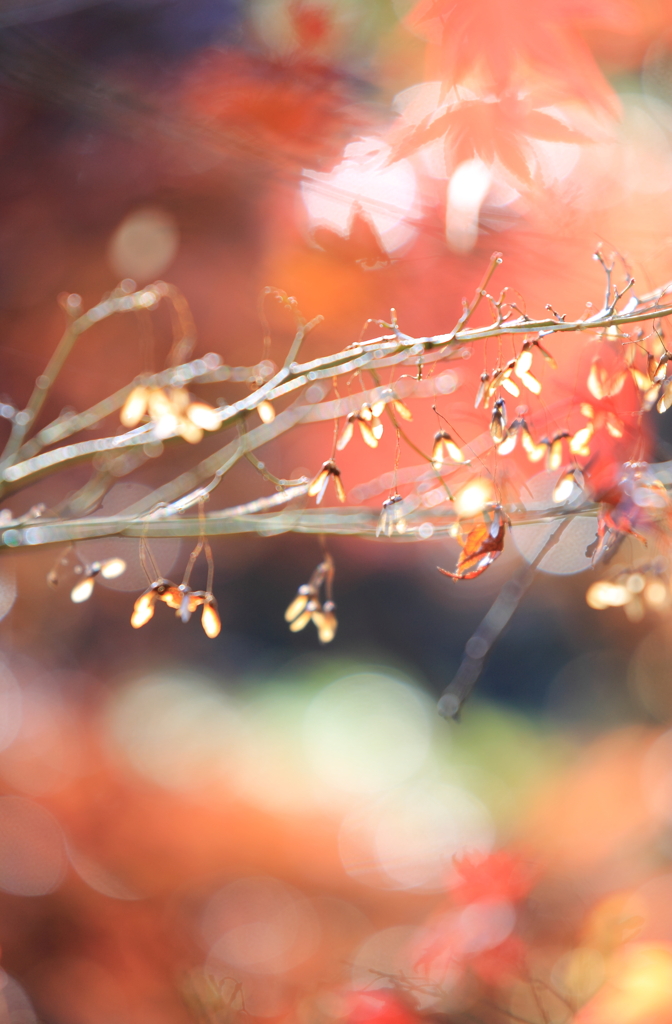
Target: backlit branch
x=25 y=461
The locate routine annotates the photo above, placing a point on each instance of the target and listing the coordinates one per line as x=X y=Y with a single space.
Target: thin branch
x=66 y=426
x=495 y=261
x=146 y=298
x=491 y=627
x=377 y=353
x=161 y=521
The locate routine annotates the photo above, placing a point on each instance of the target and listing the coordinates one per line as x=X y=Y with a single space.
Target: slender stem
x=162 y=521
x=146 y=298
x=491 y=627
x=299 y=338
x=25 y=419
x=495 y=261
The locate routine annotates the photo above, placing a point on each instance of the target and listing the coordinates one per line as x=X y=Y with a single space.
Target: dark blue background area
x=170 y=29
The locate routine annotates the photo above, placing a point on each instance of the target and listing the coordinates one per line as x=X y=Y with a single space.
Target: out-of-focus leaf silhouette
x=491 y=129
x=361 y=245
x=311 y=23
x=242 y=106
x=298 y=110
x=503 y=875
x=502 y=42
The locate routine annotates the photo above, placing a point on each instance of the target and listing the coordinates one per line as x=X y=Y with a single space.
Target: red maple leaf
x=502 y=41
x=505 y=960
x=379 y=1007
x=491 y=128
x=311 y=23
x=502 y=875
x=296 y=110
x=481 y=546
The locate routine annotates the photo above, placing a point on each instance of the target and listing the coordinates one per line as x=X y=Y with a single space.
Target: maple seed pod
x=661 y=369
x=112 y=568
x=188 y=603
x=554 y=456
x=391 y=517
x=444 y=445
x=531 y=383
x=210 y=617
x=564 y=487
x=509 y=443
x=326 y=622
x=614 y=425
x=642 y=380
x=304 y=618
x=158 y=404
x=524 y=360
x=367 y=433
x=143 y=609
x=179 y=400
x=482 y=388
x=498 y=421
x=169 y=594
x=377 y=409
x=266 y=411
x=603 y=385
x=82 y=591
x=204 y=416
x=134 y=408
x=165 y=426
x=506 y=382
x=665 y=400
x=578 y=444
x=319 y=484
x=402 y=409
x=189 y=431
x=437 y=450
x=299 y=603
x=346 y=436
x=650 y=398
x=534 y=452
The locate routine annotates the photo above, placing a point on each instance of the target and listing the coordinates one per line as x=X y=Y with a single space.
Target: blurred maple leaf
x=499 y=876
x=489 y=128
x=312 y=24
x=506 y=960
x=361 y=245
x=380 y=1007
x=298 y=110
x=501 y=41
x=481 y=546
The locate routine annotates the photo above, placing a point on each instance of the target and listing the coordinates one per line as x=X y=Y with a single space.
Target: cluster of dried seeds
x=185 y=602
x=308 y=607
x=172 y=411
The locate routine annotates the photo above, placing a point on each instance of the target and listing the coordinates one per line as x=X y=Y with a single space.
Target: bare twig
x=491 y=627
